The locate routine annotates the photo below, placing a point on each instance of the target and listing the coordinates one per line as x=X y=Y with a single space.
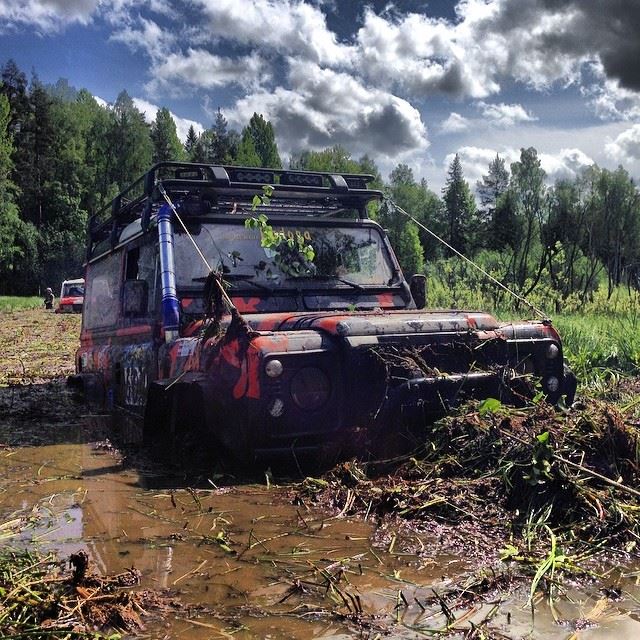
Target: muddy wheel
x=191 y=442
x=156 y=434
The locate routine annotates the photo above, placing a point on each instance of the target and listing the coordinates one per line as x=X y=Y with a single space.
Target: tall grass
x=601 y=337
x=597 y=345
x=16 y=303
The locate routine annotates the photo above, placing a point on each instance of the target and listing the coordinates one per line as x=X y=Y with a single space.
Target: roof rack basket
x=207 y=188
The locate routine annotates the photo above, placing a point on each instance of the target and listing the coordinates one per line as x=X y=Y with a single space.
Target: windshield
x=71 y=289
x=343 y=256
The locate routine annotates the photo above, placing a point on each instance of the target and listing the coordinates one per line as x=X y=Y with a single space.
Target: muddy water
x=257 y=565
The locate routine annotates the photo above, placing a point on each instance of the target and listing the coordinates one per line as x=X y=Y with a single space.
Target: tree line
x=63 y=156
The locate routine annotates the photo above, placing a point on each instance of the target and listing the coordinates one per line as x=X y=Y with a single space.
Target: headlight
x=273 y=368
x=552 y=351
x=310 y=388
x=553 y=384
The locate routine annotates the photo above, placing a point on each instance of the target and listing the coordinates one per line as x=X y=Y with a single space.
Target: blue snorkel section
x=170 y=305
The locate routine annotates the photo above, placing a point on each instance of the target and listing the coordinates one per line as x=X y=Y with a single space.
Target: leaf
x=543 y=438
x=490 y=405
x=509 y=552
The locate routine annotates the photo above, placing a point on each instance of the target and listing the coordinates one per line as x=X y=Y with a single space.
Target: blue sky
x=412 y=81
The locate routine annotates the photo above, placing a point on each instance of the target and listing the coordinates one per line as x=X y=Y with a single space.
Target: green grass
x=599 y=345
x=16 y=303
x=601 y=337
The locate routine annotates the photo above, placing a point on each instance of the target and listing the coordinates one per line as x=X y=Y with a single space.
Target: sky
x=413 y=81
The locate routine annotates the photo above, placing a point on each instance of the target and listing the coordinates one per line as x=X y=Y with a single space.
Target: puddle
x=258 y=565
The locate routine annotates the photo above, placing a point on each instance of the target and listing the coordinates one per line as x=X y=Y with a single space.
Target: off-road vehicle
x=71 y=296
x=241 y=340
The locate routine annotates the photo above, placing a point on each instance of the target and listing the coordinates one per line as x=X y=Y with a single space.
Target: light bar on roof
x=302 y=179
x=252 y=177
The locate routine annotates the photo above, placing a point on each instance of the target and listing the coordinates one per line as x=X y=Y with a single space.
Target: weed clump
x=41 y=598
x=505 y=473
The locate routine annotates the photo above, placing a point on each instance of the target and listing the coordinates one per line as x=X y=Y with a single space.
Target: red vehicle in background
x=71 y=296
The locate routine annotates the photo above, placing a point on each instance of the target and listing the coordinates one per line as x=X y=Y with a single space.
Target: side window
x=148 y=271
x=133 y=256
x=138 y=299
x=102 y=295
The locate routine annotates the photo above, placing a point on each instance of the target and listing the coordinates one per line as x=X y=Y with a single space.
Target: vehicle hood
x=375 y=323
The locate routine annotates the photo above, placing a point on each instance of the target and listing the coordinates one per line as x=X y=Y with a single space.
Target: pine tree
x=403 y=234
x=38 y=156
x=129 y=141
x=221 y=152
x=14 y=86
x=166 y=144
x=459 y=209
x=489 y=189
x=492 y=186
x=247 y=154
x=264 y=142
x=527 y=184
x=190 y=143
x=18 y=252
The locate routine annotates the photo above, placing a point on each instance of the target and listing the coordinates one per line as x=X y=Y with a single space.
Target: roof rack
x=207 y=188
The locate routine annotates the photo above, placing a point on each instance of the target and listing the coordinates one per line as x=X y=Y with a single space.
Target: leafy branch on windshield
x=292 y=253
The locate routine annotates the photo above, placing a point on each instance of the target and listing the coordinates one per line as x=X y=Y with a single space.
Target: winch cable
x=225 y=296
x=471 y=262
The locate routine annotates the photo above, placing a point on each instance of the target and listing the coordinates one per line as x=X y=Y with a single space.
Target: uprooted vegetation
x=494 y=478
x=41 y=598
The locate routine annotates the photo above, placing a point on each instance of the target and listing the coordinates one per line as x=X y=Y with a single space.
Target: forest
x=63 y=156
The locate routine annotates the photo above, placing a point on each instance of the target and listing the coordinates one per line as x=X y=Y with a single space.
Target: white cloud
x=54 y=15
x=205 y=70
x=537 y=42
x=455 y=123
x=323 y=107
x=46 y=15
x=610 y=100
x=286 y=26
x=182 y=124
x=566 y=164
x=422 y=55
x=626 y=146
x=148 y=37
x=505 y=115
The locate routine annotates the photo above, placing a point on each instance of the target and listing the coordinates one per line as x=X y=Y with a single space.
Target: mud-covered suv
x=329 y=349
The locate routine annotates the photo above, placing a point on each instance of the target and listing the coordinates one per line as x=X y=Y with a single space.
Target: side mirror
x=135 y=298
x=418 y=287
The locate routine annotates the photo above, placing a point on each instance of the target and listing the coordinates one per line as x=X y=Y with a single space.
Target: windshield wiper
x=355 y=285
x=248 y=278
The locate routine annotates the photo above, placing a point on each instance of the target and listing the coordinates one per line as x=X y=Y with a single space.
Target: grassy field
x=16 y=303
x=600 y=346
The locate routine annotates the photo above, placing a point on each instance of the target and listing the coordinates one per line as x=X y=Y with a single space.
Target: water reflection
x=261 y=566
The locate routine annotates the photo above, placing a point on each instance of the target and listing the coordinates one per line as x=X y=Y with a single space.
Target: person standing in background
x=48 y=298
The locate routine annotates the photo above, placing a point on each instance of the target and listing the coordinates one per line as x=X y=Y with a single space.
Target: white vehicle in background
x=71 y=296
